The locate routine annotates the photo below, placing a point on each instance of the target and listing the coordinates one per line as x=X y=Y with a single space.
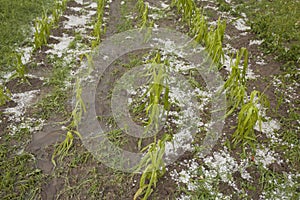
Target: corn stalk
x=247 y=119
x=59 y=8
x=158 y=88
x=200 y=27
x=98 y=27
x=42 y=31
x=235 y=85
x=186 y=8
x=213 y=42
x=20 y=68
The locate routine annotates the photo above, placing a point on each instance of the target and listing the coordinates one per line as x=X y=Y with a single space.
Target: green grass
x=125 y=22
x=16 y=19
x=52 y=104
x=277 y=23
x=20 y=179
x=4 y=95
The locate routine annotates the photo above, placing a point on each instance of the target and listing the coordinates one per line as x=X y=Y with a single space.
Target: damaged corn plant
x=59 y=8
x=157 y=96
x=248 y=117
x=20 y=69
x=186 y=8
x=209 y=36
x=63 y=148
x=99 y=29
x=235 y=85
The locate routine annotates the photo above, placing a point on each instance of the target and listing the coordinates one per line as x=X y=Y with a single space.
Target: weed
x=53 y=103
x=223 y=6
x=290 y=144
x=20 y=179
x=275 y=185
x=134 y=61
x=279 y=32
x=4 y=95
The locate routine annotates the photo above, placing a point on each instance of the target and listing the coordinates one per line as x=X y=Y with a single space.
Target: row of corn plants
x=158 y=93
x=248 y=109
x=63 y=148
x=152 y=163
x=44 y=24
x=209 y=36
x=235 y=86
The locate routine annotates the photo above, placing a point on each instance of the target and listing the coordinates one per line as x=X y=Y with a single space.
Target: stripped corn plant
x=214 y=41
x=59 y=7
x=140 y=6
x=186 y=8
x=63 y=148
x=199 y=27
x=211 y=37
x=98 y=27
x=158 y=86
x=145 y=23
x=248 y=117
x=235 y=85
x=154 y=167
x=153 y=160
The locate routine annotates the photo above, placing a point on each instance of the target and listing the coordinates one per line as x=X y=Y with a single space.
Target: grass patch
x=20 y=179
x=277 y=23
x=16 y=18
x=52 y=104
